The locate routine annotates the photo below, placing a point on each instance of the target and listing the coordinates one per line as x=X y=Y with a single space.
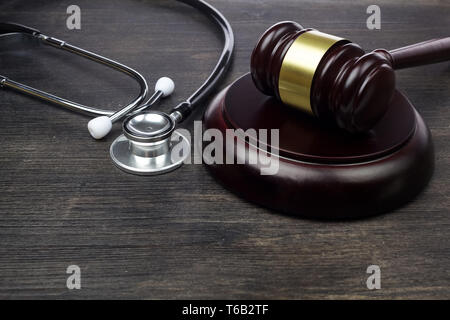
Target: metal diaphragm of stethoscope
x=149 y=137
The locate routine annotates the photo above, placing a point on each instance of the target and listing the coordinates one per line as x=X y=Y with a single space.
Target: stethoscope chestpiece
x=147 y=144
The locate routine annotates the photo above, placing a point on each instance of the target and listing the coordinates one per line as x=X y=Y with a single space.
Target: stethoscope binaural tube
x=180 y=112
x=6 y=28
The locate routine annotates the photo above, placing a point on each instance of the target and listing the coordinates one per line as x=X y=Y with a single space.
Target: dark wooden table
x=182 y=235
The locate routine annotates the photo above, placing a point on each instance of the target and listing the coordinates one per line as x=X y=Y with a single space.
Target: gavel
x=331 y=77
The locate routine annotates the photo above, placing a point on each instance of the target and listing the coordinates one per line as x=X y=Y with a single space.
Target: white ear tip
x=99 y=127
x=165 y=85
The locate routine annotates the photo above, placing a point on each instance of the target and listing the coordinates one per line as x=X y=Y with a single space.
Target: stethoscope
x=149 y=138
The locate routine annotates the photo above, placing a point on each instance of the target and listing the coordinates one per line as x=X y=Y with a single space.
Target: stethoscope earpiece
x=165 y=85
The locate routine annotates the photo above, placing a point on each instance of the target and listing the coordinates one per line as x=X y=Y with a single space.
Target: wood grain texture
x=182 y=235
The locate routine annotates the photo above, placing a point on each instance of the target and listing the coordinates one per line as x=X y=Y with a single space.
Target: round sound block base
x=323 y=172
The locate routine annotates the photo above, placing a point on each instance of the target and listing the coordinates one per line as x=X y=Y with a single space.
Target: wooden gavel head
x=329 y=77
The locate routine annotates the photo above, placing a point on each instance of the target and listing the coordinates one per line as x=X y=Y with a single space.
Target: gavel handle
x=427 y=52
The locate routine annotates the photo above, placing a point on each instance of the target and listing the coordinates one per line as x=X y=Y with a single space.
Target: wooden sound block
x=324 y=172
